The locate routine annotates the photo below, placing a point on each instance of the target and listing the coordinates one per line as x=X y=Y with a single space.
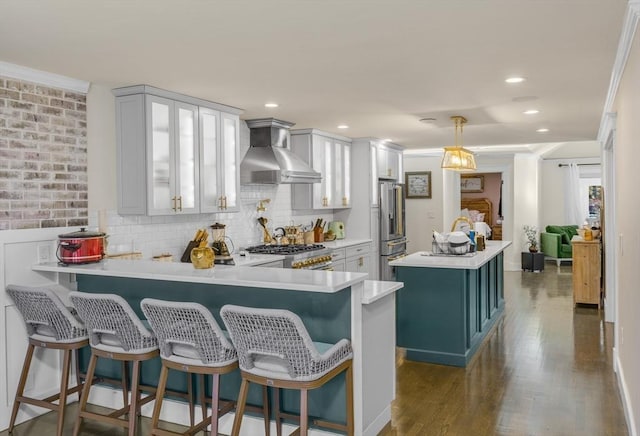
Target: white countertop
x=342 y=243
x=256 y=277
x=425 y=259
x=375 y=290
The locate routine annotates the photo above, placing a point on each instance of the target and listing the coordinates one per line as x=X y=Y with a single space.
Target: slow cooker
x=81 y=247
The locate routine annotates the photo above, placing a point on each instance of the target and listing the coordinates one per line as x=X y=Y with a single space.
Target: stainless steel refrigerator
x=393 y=242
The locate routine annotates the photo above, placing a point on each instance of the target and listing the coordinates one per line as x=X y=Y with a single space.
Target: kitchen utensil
x=81 y=247
x=267 y=235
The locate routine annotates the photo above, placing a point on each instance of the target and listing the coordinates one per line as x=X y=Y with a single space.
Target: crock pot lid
x=83 y=233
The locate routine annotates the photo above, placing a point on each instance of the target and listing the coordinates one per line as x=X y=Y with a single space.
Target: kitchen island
x=449 y=304
x=333 y=305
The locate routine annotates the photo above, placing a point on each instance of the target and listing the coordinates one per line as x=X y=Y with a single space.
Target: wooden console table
x=587 y=271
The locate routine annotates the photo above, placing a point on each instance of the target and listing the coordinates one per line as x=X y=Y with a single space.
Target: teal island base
x=443 y=315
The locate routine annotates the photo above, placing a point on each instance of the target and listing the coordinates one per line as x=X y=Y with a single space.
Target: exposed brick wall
x=43 y=156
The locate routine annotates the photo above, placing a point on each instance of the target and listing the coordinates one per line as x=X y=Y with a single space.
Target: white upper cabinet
x=175 y=154
x=330 y=155
x=219 y=152
x=389 y=162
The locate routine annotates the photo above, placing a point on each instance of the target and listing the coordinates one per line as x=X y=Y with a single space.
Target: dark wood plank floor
x=547 y=370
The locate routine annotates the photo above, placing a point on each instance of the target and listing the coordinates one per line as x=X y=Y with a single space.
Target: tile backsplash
x=170 y=234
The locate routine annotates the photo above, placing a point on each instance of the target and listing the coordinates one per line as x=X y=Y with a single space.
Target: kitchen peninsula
x=449 y=305
x=333 y=305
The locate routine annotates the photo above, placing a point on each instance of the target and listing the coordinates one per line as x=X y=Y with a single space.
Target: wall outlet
x=44 y=253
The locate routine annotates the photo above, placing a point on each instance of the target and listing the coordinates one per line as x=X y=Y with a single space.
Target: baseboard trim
x=378 y=424
x=624 y=394
x=178 y=412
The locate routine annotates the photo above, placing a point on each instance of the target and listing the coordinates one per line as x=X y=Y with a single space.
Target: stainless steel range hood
x=269 y=159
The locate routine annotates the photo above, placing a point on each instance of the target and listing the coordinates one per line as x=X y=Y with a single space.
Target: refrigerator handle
x=399 y=211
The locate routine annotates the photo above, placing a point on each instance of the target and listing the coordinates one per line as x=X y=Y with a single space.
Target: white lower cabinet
x=355 y=258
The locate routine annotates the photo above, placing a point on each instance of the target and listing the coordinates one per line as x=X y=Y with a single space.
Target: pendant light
x=455 y=157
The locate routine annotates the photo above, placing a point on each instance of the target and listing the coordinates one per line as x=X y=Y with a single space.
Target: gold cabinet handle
x=361 y=261
x=180 y=203
x=225 y=202
x=219 y=202
x=175 y=208
x=325 y=201
x=345 y=202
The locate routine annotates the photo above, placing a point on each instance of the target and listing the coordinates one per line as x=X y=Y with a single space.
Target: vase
x=202 y=257
x=533 y=249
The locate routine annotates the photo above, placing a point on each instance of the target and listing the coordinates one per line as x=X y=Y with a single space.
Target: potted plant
x=531 y=233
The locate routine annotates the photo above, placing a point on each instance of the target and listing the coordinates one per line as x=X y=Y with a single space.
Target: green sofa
x=555 y=242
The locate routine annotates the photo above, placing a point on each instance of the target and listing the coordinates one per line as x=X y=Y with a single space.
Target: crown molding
x=631 y=18
x=43 y=78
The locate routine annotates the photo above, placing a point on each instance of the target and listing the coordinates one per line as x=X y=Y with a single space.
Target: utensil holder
x=318 y=235
x=309 y=237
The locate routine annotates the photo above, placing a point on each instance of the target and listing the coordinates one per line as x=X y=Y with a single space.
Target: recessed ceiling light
x=343 y=126
x=515 y=79
x=271 y=105
x=543 y=130
x=427 y=120
x=531 y=112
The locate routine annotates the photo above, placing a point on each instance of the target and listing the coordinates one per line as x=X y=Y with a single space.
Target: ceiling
x=377 y=66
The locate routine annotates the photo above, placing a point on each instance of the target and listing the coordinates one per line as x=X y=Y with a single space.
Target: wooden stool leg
x=135 y=398
x=203 y=396
x=349 y=383
x=278 y=417
x=162 y=384
x=304 y=413
x=124 y=382
x=76 y=358
x=23 y=380
x=265 y=411
x=192 y=416
x=242 y=399
x=64 y=386
x=85 y=392
x=215 y=402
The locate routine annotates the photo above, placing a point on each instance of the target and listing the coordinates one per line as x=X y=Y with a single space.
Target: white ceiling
x=378 y=66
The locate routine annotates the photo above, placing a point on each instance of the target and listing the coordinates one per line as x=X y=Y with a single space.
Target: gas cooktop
x=284 y=249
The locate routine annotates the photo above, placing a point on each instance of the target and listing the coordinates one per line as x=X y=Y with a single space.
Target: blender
x=219 y=245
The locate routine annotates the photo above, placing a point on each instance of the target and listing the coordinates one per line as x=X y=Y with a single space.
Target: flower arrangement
x=531 y=233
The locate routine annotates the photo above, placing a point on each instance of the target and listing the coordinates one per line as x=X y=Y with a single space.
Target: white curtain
x=573 y=209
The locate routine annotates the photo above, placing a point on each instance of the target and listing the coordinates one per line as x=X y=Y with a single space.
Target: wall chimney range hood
x=269 y=159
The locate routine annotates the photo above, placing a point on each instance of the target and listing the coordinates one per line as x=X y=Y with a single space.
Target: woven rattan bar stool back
x=115 y=332
x=191 y=341
x=50 y=324
x=274 y=349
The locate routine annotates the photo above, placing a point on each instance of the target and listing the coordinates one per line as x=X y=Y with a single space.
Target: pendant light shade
x=455 y=157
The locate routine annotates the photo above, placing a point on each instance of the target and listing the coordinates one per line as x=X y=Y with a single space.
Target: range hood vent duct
x=269 y=159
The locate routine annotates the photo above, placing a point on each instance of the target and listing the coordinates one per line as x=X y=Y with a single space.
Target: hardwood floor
x=547 y=370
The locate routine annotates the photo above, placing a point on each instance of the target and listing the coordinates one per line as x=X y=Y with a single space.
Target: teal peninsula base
x=445 y=312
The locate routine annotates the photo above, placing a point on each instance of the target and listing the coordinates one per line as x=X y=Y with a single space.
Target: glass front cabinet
x=175 y=154
x=330 y=155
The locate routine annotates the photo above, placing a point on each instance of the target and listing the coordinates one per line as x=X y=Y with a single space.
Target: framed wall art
x=471 y=183
x=417 y=184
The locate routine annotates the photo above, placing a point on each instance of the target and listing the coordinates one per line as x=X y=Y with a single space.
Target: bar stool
x=50 y=324
x=275 y=349
x=115 y=332
x=191 y=341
